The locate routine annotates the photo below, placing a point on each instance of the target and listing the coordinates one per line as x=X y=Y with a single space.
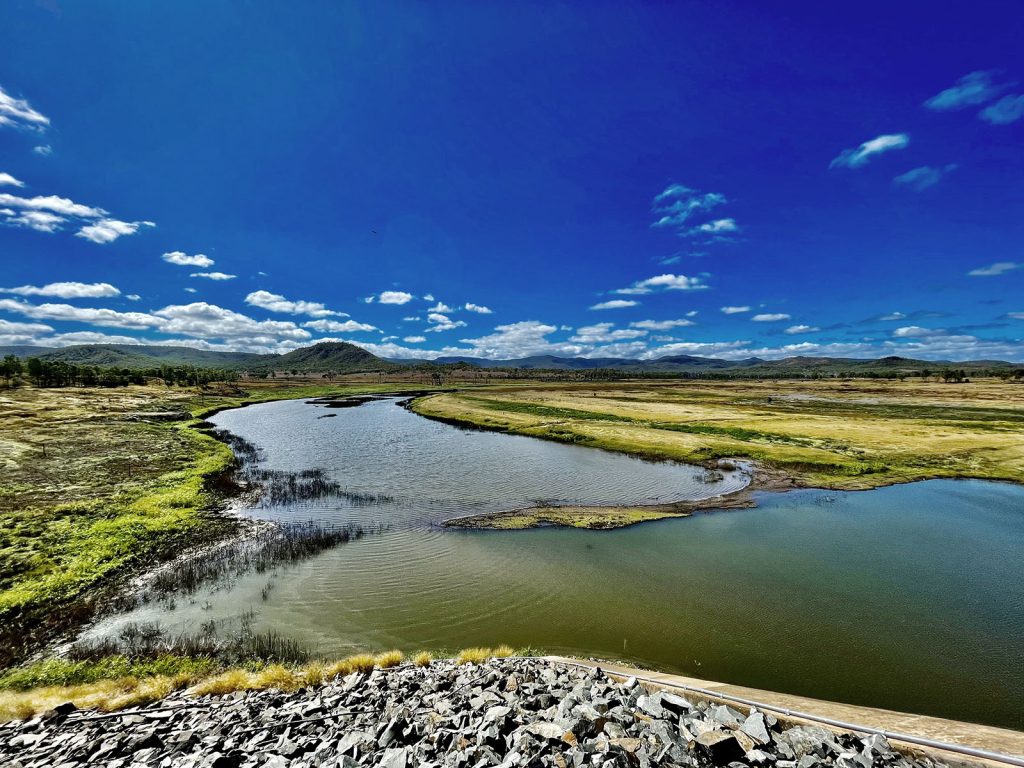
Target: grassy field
x=828 y=433
x=90 y=487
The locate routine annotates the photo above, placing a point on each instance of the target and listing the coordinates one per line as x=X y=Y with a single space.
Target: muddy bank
x=610 y=517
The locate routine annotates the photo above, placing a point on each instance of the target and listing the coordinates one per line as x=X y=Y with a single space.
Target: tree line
x=57 y=373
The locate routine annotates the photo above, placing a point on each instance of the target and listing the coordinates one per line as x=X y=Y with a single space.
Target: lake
x=908 y=597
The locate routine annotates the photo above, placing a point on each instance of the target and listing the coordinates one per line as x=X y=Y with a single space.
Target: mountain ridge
x=344 y=357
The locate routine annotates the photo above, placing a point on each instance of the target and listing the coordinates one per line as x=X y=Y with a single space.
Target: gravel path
x=508 y=712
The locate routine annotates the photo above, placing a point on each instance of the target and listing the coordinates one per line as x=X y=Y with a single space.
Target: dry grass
x=423 y=659
x=829 y=433
x=389 y=659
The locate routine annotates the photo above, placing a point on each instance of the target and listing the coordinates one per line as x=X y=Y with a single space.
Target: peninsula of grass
x=835 y=434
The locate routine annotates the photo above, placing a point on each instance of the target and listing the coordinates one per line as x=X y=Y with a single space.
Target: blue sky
x=507 y=179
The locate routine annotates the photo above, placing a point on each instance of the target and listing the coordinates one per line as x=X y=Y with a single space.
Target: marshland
x=861 y=541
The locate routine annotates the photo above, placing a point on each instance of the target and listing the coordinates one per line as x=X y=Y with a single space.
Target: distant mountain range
x=341 y=357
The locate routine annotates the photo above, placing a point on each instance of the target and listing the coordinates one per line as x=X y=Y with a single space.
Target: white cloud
x=971 y=89
x=19 y=113
x=428 y=297
x=893 y=316
x=214 y=275
x=414 y=339
x=718 y=226
x=133 y=297
x=1015 y=315
x=795 y=329
x=522 y=339
x=68 y=290
x=734 y=310
x=41 y=221
x=615 y=304
x=7 y=328
x=441 y=322
x=191 y=290
x=923 y=177
x=108 y=230
x=855 y=158
x=208 y=321
x=333 y=326
x=601 y=333
x=995 y=269
x=182 y=259
x=273 y=302
x=661 y=325
x=678 y=204
x=52 y=204
x=7 y=180
x=439 y=307
x=412 y=319
x=104 y=317
x=668 y=282
x=479 y=309
x=917 y=332
x=770 y=317
x=701 y=349
x=1008 y=109
x=393 y=297
x=43 y=149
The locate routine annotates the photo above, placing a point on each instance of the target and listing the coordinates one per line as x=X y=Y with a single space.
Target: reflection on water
x=906 y=597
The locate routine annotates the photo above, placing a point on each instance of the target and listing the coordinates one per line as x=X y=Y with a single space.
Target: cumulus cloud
x=971 y=89
x=441 y=322
x=333 y=326
x=667 y=282
x=795 y=329
x=7 y=180
x=998 y=268
x=40 y=221
x=923 y=177
x=414 y=339
x=18 y=113
x=441 y=307
x=770 y=317
x=214 y=275
x=522 y=339
x=601 y=333
x=479 y=309
x=734 y=310
x=66 y=290
x=719 y=226
x=1008 y=109
x=858 y=156
x=108 y=230
x=615 y=304
x=394 y=297
x=182 y=259
x=104 y=317
x=917 y=332
x=208 y=321
x=661 y=325
x=52 y=204
x=273 y=302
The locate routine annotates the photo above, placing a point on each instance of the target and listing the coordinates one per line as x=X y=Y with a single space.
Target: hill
x=342 y=357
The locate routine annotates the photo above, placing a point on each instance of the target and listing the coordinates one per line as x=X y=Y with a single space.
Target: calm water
x=907 y=597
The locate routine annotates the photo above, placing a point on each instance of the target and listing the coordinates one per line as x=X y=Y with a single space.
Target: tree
x=10 y=368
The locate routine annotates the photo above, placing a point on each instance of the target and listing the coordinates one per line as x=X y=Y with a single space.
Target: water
x=906 y=597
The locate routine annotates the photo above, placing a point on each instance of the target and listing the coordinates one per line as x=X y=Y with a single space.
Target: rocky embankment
x=508 y=712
